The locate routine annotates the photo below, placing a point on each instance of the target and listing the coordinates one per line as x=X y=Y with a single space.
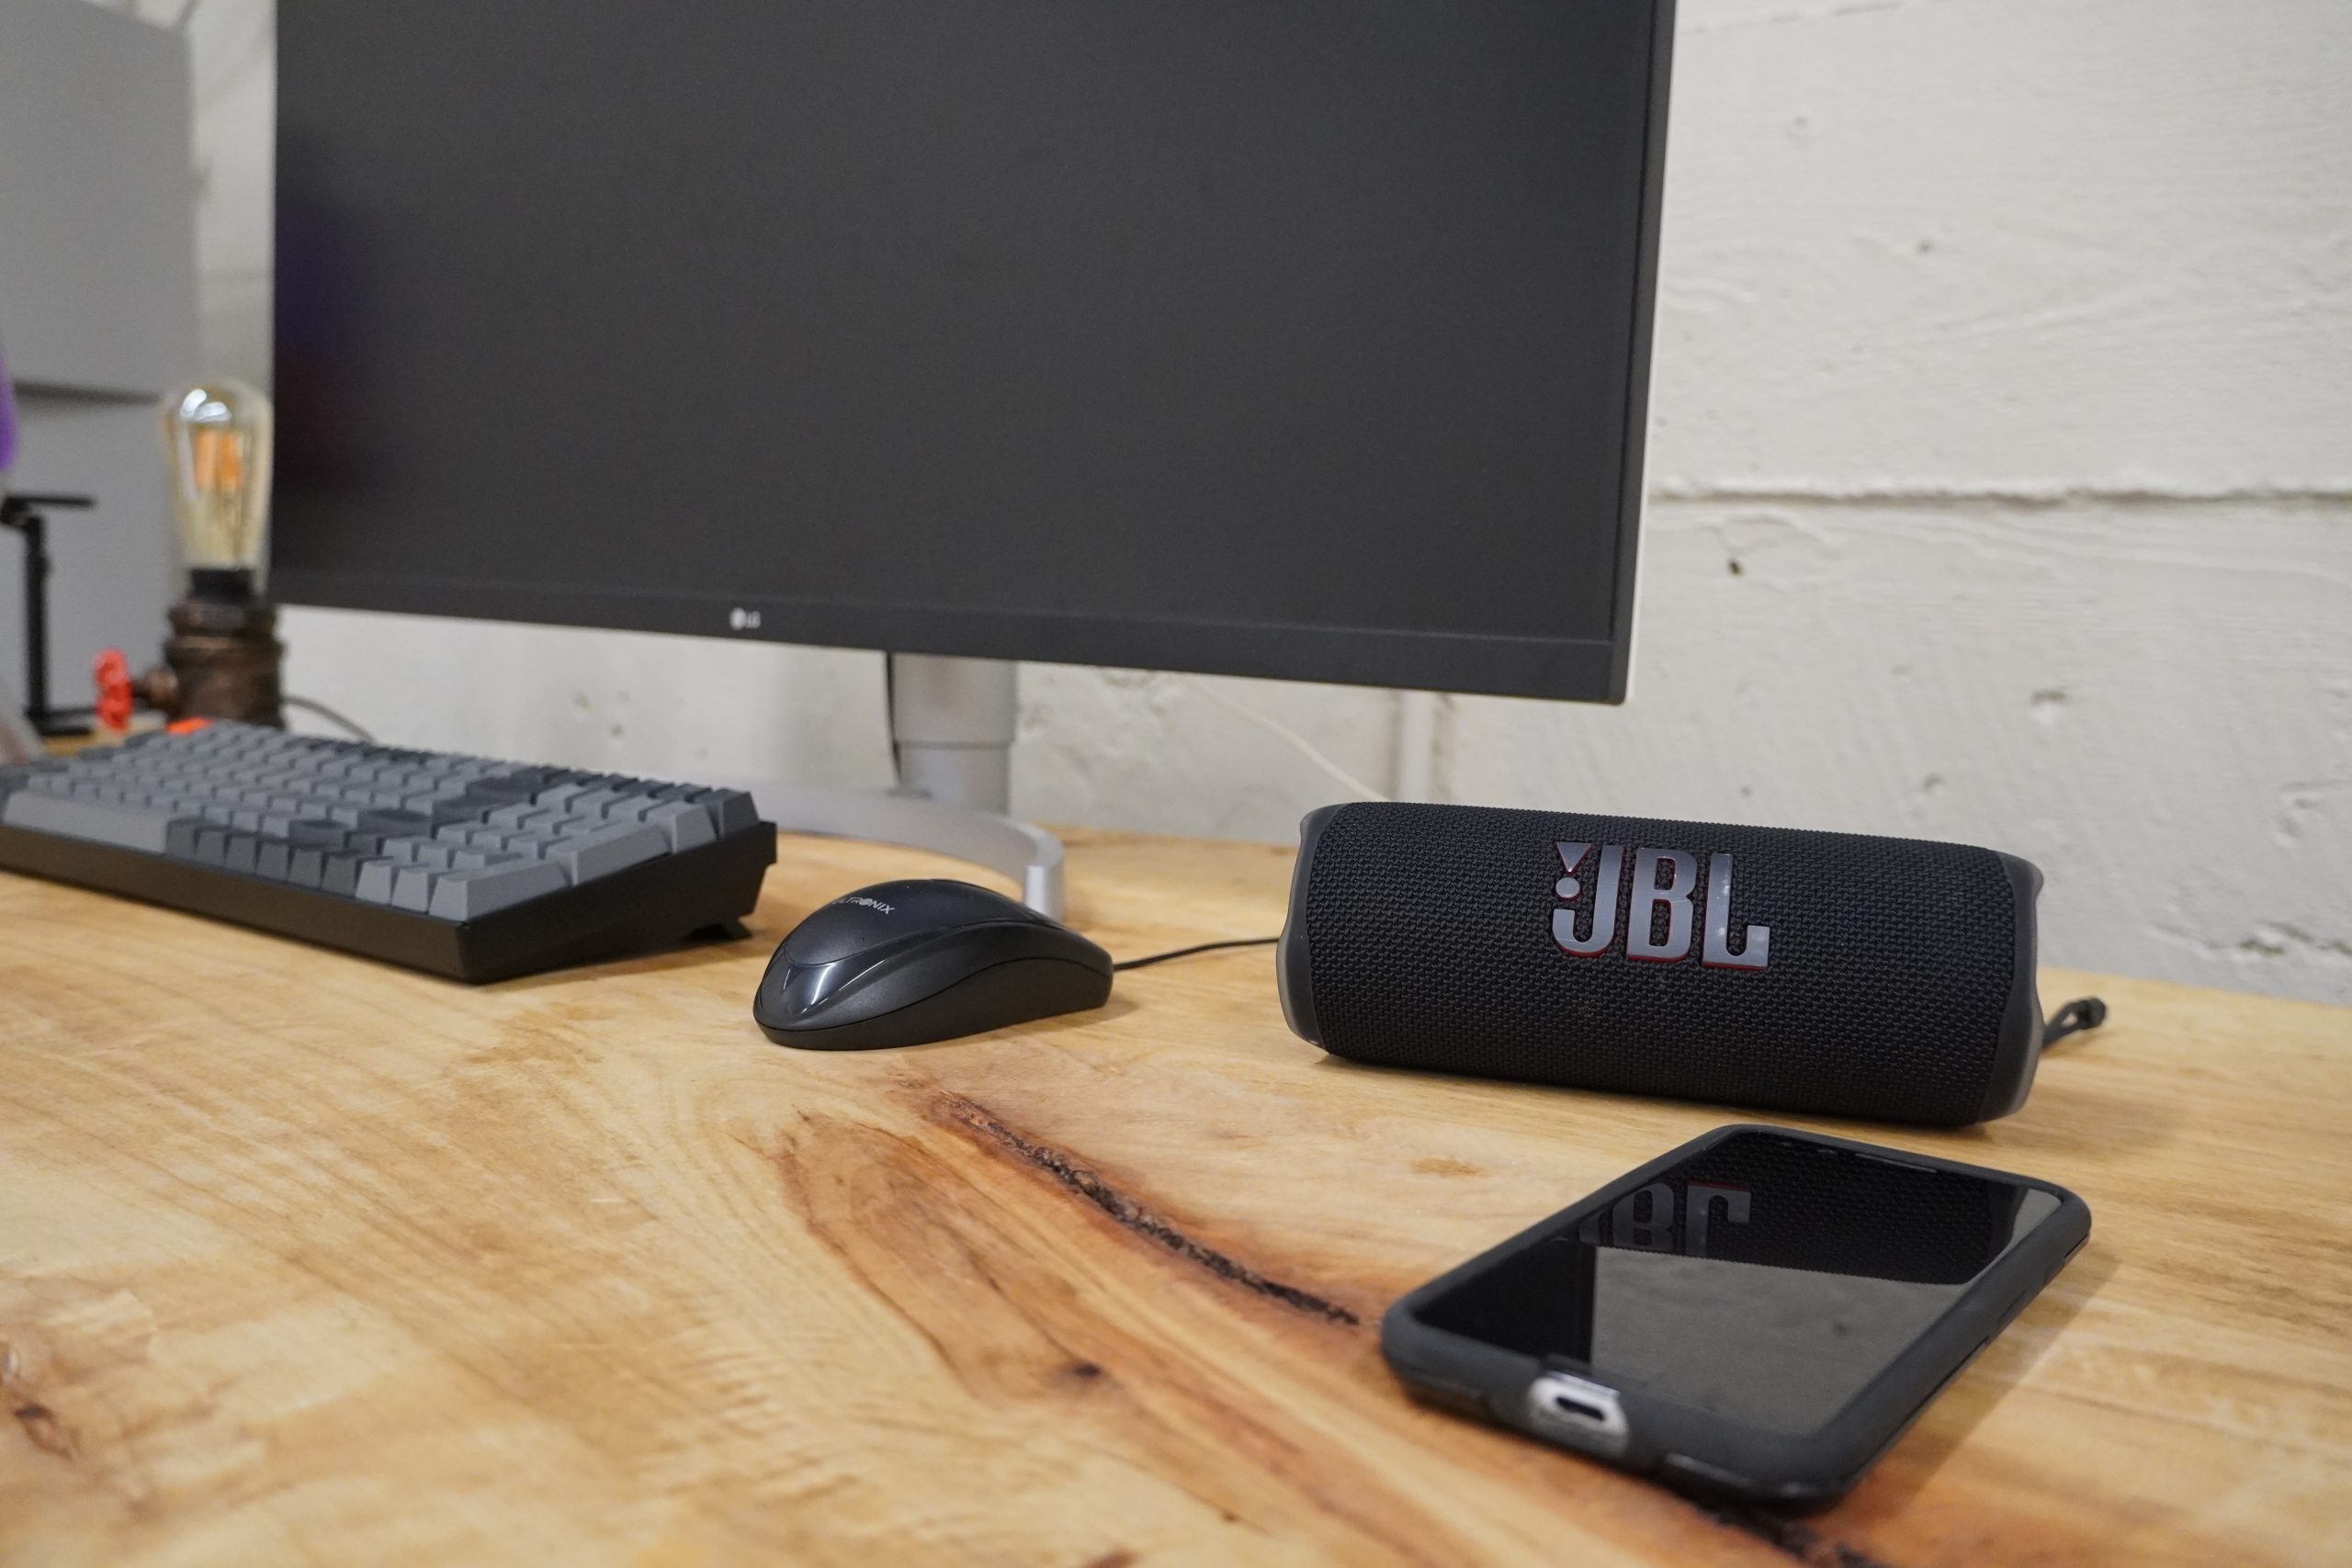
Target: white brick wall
x=2003 y=467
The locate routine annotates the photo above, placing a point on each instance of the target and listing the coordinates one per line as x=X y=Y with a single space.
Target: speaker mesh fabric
x=1893 y=962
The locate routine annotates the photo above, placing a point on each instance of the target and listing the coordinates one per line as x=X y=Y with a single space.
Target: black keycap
x=395 y=823
x=238 y=852
x=340 y=873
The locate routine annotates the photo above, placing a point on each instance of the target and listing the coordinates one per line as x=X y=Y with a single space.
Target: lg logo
x=1643 y=943
x=742 y=620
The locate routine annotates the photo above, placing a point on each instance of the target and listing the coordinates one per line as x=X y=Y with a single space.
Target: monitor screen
x=1305 y=340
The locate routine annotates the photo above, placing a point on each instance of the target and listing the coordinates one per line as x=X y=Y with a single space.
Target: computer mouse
x=907 y=963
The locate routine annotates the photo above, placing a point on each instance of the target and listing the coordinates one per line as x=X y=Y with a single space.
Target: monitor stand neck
x=951 y=731
x=951 y=728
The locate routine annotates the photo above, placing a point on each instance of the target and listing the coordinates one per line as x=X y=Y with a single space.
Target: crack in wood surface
x=1791 y=1538
x=1088 y=1184
x=47 y=1431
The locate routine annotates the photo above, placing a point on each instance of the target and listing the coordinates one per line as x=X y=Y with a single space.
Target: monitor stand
x=951 y=731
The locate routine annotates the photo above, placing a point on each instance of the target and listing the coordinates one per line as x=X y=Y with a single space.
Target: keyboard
x=463 y=866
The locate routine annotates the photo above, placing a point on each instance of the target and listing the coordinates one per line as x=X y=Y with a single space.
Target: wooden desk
x=303 y=1260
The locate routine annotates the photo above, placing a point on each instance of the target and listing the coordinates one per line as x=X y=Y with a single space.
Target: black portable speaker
x=1830 y=973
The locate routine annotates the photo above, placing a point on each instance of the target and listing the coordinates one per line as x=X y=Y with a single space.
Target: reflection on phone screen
x=1766 y=1280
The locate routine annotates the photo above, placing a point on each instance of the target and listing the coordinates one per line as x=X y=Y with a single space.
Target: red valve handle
x=112 y=673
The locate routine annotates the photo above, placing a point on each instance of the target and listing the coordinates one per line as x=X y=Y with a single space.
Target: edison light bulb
x=218 y=436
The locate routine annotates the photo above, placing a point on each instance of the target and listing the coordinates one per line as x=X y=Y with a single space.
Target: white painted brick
x=2037 y=242
x=2153 y=703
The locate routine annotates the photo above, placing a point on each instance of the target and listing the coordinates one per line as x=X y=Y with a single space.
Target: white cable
x=1300 y=743
x=313 y=706
x=18 y=742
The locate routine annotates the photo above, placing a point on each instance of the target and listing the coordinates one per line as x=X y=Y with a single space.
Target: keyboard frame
x=656 y=904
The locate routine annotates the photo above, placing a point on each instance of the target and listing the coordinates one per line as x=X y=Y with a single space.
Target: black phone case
x=1696 y=1450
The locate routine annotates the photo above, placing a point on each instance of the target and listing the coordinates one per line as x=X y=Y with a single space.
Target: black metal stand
x=24 y=515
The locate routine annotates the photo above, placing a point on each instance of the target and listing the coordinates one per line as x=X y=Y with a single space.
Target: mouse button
x=801 y=978
x=805 y=986
x=1066 y=944
x=910 y=970
x=863 y=920
x=837 y=931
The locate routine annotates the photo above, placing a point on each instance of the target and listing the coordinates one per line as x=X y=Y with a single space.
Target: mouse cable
x=1197 y=947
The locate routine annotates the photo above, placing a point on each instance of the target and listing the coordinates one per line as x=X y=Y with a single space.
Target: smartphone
x=1757 y=1315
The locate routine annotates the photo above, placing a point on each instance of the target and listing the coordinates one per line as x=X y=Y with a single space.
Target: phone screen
x=1766 y=1280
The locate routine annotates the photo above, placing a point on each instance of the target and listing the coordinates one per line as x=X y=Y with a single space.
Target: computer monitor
x=1305 y=340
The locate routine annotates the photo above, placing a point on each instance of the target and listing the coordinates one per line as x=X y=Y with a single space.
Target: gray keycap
x=412 y=888
x=375 y=881
x=469 y=895
x=212 y=845
x=683 y=823
x=17 y=775
x=592 y=802
x=126 y=826
x=305 y=867
x=411 y=850
x=432 y=853
x=591 y=855
x=270 y=860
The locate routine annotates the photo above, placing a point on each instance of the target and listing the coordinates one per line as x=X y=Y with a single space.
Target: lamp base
x=222 y=661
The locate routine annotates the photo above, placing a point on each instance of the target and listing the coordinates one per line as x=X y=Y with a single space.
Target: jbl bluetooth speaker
x=1759 y=967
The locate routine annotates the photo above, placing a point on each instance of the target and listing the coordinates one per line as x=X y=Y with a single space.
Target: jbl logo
x=1642 y=942
x=1643 y=1221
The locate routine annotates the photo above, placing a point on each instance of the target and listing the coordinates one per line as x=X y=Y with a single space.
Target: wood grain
x=304 y=1259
